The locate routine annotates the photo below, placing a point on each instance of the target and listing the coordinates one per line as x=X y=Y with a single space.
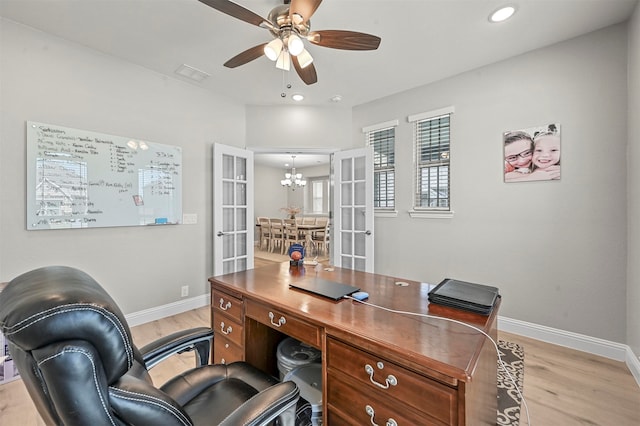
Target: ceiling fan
x=289 y=24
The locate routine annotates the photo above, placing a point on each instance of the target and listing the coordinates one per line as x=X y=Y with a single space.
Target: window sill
x=431 y=214
x=385 y=213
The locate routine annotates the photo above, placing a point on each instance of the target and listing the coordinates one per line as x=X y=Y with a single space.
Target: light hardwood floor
x=566 y=387
x=562 y=386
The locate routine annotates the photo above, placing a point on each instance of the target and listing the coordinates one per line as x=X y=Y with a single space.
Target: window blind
x=383 y=143
x=432 y=163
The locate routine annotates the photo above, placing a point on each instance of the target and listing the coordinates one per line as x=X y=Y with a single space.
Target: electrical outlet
x=189 y=219
x=184 y=292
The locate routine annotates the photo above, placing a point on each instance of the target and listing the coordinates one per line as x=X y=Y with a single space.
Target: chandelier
x=293 y=179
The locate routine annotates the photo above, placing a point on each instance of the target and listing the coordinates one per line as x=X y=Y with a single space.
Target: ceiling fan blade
x=307 y=74
x=347 y=40
x=303 y=8
x=247 y=56
x=232 y=9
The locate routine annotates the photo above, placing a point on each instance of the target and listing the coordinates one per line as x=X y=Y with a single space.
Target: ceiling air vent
x=192 y=73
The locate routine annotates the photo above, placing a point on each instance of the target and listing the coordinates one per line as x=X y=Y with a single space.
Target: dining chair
x=291 y=234
x=321 y=237
x=276 y=234
x=265 y=231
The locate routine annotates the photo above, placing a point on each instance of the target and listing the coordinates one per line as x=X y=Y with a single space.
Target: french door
x=352 y=236
x=233 y=224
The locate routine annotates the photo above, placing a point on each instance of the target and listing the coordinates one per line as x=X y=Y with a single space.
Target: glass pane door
x=232 y=209
x=353 y=207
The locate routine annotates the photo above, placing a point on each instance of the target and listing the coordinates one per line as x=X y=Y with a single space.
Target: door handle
x=220 y=234
x=367 y=232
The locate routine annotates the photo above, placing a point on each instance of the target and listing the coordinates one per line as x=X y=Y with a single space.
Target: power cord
x=495 y=345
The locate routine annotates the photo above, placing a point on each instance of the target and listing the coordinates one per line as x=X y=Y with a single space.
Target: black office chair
x=74 y=352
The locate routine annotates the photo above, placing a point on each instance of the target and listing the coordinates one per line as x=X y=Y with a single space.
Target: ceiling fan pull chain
x=283 y=94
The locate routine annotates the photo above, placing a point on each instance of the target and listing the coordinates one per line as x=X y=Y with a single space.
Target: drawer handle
x=389 y=381
x=370 y=411
x=225 y=306
x=227 y=331
x=282 y=321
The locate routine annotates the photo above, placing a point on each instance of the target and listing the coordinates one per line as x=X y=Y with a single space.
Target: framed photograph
x=532 y=154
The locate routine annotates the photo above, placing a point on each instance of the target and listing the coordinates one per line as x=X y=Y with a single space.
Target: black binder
x=472 y=297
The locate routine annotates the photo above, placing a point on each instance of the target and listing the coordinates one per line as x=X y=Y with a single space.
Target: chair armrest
x=276 y=401
x=199 y=339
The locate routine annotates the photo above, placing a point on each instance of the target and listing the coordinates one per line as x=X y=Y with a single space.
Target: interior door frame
x=302 y=151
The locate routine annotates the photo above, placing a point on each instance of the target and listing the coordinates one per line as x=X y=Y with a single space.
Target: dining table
x=307 y=230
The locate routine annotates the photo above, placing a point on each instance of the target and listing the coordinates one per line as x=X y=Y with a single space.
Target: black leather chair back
x=74 y=351
x=71 y=345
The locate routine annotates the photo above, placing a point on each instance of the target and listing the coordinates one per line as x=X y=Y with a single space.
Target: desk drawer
x=229 y=305
x=224 y=326
x=349 y=403
x=285 y=323
x=225 y=351
x=391 y=381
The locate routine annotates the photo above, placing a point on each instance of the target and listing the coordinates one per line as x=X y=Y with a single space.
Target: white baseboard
x=634 y=365
x=159 y=312
x=580 y=342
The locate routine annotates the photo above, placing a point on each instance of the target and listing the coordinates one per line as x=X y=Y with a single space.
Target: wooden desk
x=435 y=372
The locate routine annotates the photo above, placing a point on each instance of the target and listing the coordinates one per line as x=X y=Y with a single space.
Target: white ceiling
x=422 y=41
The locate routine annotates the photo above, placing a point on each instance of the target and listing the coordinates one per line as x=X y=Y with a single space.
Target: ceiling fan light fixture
x=296 y=19
x=304 y=58
x=295 y=45
x=273 y=49
x=284 y=61
x=289 y=22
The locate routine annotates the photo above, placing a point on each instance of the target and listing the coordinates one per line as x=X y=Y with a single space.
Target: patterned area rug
x=508 y=398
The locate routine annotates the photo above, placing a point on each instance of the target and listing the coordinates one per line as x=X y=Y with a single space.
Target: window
x=382 y=138
x=317 y=195
x=432 y=132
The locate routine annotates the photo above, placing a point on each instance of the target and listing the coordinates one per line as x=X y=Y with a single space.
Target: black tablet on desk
x=472 y=297
x=326 y=288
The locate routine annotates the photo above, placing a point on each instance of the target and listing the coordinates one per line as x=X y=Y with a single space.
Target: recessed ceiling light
x=502 y=14
x=335 y=98
x=297 y=97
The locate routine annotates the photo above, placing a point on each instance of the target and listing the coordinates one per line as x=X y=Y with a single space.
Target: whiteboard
x=83 y=179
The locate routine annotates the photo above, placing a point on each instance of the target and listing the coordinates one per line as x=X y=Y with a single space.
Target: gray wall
x=633 y=190
x=52 y=81
x=270 y=196
x=556 y=249
x=298 y=127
